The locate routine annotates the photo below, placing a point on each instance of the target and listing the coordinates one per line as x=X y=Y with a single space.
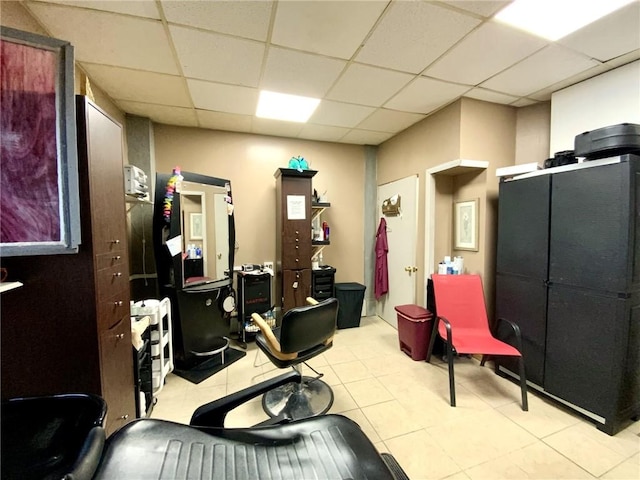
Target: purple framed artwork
x=39 y=204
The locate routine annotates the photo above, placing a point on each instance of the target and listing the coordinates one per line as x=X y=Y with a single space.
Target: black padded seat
x=302 y=356
x=327 y=447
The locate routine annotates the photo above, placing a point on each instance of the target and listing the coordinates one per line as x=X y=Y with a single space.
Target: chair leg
x=484 y=359
x=452 y=388
x=432 y=340
x=523 y=385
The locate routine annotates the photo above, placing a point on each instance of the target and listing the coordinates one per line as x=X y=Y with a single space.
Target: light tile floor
x=403 y=407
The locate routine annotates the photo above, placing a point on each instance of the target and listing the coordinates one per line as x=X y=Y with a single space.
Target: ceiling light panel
x=484 y=52
x=300 y=73
x=109 y=38
x=212 y=56
x=413 y=34
x=554 y=19
x=223 y=98
x=245 y=19
x=335 y=29
x=367 y=85
x=281 y=106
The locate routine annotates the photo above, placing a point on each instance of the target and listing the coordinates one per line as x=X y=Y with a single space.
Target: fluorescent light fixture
x=554 y=19
x=281 y=106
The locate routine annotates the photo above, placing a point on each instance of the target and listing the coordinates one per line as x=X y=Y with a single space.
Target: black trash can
x=350 y=299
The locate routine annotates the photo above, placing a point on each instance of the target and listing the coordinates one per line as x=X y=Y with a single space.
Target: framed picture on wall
x=195 y=226
x=39 y=198
x=465 y=225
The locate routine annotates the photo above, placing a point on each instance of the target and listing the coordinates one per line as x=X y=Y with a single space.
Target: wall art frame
x=39 y=199
x=465 y=225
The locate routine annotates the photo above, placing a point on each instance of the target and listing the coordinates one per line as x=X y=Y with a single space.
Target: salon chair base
x=310 y=398
x=326 y=447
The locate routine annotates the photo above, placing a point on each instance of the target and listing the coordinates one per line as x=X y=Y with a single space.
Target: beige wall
x=250 y=161
x=488 y=132
x=533 y=133
x=430 y=142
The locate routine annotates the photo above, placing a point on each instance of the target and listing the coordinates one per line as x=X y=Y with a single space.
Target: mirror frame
x=169 y=268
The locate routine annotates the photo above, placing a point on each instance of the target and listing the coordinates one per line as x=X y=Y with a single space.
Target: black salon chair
x=304 y=333
x=326 y=447
x=53 y=437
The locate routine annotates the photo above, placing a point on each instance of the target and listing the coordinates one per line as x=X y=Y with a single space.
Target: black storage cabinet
x=322 y=283
x=350 y=298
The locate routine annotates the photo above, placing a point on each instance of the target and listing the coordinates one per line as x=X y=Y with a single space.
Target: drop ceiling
x=378 y=66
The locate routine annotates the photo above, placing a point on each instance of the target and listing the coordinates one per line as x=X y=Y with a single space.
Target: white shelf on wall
x=6 y=286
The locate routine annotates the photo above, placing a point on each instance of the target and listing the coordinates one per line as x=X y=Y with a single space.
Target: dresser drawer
x=112 y=280
x=116 y=372
x=111 y=259
x=111 y=310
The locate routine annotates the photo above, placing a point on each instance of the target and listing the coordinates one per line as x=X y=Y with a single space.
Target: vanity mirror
x=194 y=239
x=195 y=232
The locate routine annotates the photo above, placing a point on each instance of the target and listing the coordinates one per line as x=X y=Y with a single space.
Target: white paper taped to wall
x=296 y=207
x=175 y=245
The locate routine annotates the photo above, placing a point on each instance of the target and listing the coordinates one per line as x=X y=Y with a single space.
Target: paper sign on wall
x=296 y=207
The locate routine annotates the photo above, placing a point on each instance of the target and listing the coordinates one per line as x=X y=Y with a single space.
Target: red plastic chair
x=462 y=323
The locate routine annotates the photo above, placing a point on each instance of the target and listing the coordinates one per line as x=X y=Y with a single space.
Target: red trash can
x=414 y=330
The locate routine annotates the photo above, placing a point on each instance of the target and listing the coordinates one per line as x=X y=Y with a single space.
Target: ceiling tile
x=413 y=34
x=523 y=102
x=365 y=137
x=139 y=8
x=489 y=96
x=366 y=85
x=223 y=98
x=245 y=19
x=383 y=120
x=424 y=95
x=322 y=133
x=483 y=53
x=109 y=38
x=136 y=85
x=609 y=37
x=224 y=121
x=339 y=114
x=185 y=117
x=545 y=93
x=278 y=128
x=334 y=28
x=484 y=8
x=546 y=67
x=300 y=73
x=215 y=57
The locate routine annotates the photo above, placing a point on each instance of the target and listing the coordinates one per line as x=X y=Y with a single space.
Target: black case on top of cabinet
x=323 y=283
x=580 y=322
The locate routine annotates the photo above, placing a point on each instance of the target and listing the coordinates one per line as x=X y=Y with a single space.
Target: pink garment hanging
x=382 y=269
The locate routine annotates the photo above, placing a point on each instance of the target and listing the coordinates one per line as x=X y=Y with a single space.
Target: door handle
x=407 y=269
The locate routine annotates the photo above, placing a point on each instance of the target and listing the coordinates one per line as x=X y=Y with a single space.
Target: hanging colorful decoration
x=170 y=190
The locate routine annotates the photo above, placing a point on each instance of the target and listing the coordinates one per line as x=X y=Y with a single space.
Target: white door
x=401 y=237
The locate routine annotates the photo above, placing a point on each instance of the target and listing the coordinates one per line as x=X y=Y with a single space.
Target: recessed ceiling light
x=554 y=19
x=281 y=106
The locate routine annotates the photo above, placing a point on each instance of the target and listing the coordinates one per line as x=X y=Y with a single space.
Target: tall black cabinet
x=568 y=268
